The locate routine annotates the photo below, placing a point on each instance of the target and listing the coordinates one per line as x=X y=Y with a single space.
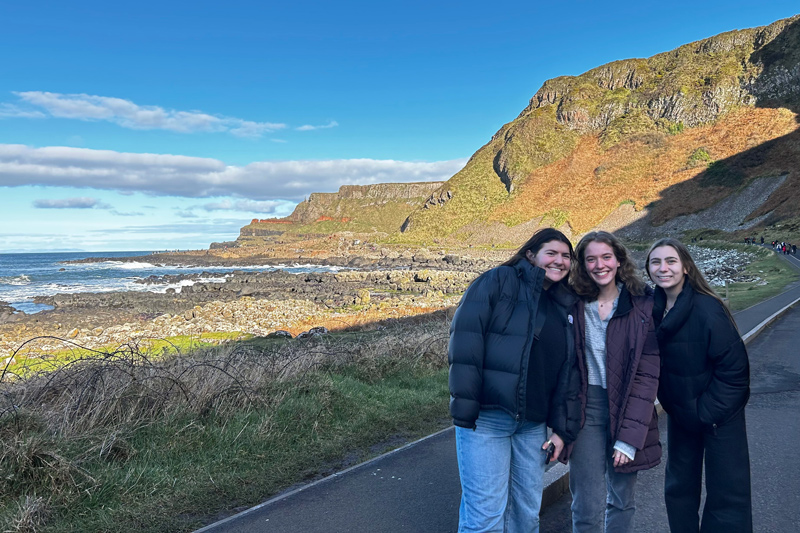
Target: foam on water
x=26 y=276
x=15 y=280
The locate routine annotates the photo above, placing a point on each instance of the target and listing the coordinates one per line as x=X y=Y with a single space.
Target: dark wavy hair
x=693 y=274
x=539 y=239
x=627 y=272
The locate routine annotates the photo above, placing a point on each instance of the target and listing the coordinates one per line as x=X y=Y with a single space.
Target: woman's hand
x=620 y=458
x=558 y=443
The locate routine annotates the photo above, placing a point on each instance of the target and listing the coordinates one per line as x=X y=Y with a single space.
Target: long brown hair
x=539 y=239
x=693 y=274
x=627 y=272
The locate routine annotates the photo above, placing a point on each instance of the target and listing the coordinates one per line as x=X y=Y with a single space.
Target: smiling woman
x=704 y=387
x=619 y=369
x=513 y=374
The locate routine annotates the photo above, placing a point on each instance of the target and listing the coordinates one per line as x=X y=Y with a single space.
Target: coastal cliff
x=374 y=208
x=701 y=137
x=639 y=141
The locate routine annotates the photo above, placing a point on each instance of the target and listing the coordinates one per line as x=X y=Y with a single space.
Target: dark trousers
x=727 y=468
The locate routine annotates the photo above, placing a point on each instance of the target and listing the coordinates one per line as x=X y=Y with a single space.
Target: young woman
x=512 y=374
x=705 y=384
x=618 y=360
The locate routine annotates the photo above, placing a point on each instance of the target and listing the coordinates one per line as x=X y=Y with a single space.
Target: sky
x=170 y=125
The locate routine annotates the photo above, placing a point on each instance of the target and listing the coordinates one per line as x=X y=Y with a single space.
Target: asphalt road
x=414 y=490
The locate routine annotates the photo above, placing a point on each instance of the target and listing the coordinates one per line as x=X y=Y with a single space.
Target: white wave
x=22 y=290
x=135 y=266
x=16 y=280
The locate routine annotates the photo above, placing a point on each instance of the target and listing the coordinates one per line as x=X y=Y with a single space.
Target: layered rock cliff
x=624 y=134
x=629 y=146
x=378 y=208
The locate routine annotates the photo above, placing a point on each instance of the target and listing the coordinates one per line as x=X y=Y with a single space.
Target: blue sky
x=170 y=124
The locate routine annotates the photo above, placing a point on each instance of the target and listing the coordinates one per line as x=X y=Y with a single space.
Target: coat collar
x=677 y=316
x=560 y=292
x=625 y=303
x=628 y=302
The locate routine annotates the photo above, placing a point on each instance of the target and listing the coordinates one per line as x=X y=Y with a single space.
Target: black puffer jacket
x=490 y=345
x=705 y=373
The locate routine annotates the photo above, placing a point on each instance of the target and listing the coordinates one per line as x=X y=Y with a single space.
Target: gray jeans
x=602 y=499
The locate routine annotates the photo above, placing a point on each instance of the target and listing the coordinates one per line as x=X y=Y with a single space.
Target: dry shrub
x=31 y=515
x=52 y=422
x=30 y=461
x=114 y=393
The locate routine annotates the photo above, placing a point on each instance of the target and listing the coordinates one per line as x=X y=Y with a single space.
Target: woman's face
x=666 y=269
x=554 y=258
x=601 y=263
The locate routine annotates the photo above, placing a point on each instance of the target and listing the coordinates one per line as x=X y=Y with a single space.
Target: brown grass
x=71 y=433
x=591 y=182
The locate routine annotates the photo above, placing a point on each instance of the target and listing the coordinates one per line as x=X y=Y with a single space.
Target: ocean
x=24 y=276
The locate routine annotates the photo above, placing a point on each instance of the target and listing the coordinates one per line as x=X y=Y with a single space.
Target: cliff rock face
x=353 y=198
x=626 y=132
x=636 y=142
x=357 y=208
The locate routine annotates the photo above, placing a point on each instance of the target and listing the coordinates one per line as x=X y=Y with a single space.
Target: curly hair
x=582 y=282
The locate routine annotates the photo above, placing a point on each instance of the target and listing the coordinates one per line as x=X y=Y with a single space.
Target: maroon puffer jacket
x=632 y=369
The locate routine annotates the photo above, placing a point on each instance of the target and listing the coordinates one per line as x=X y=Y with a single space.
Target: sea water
x=25 y=276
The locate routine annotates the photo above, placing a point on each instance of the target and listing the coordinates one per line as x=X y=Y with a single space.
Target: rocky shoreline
x=260 y=303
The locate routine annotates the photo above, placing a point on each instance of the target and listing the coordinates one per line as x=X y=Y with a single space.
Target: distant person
x=618 y=358
x=762 y=239
x=794 y=249
x=512 y=374
x=705 y=384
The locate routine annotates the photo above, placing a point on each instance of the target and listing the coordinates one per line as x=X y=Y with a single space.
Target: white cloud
x=213 y=229
x=308 y=127
x=250 y=206
x=197 y=177
x=12 y=111
x=186 y=213
x=130 y=115
x=69 y=203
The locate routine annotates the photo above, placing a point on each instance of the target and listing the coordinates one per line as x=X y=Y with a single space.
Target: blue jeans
x=501 y=464
x=602 y=499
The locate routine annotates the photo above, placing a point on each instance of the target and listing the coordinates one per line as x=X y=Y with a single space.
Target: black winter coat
x=490 y=344
x=705 y=373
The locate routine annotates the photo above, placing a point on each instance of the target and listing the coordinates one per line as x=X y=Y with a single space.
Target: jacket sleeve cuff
x=625 y=448
x=464 y=423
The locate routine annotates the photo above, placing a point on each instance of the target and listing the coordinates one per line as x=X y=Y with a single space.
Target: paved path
x=750 y=318
x=416 y=488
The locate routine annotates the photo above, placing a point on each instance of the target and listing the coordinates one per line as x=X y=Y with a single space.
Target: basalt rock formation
x=379 y=208
x=655 y=145
x=644 y=141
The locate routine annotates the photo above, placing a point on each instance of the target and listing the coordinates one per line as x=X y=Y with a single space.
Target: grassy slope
x=588 y=143
x=583 y=177
x=129 y=443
